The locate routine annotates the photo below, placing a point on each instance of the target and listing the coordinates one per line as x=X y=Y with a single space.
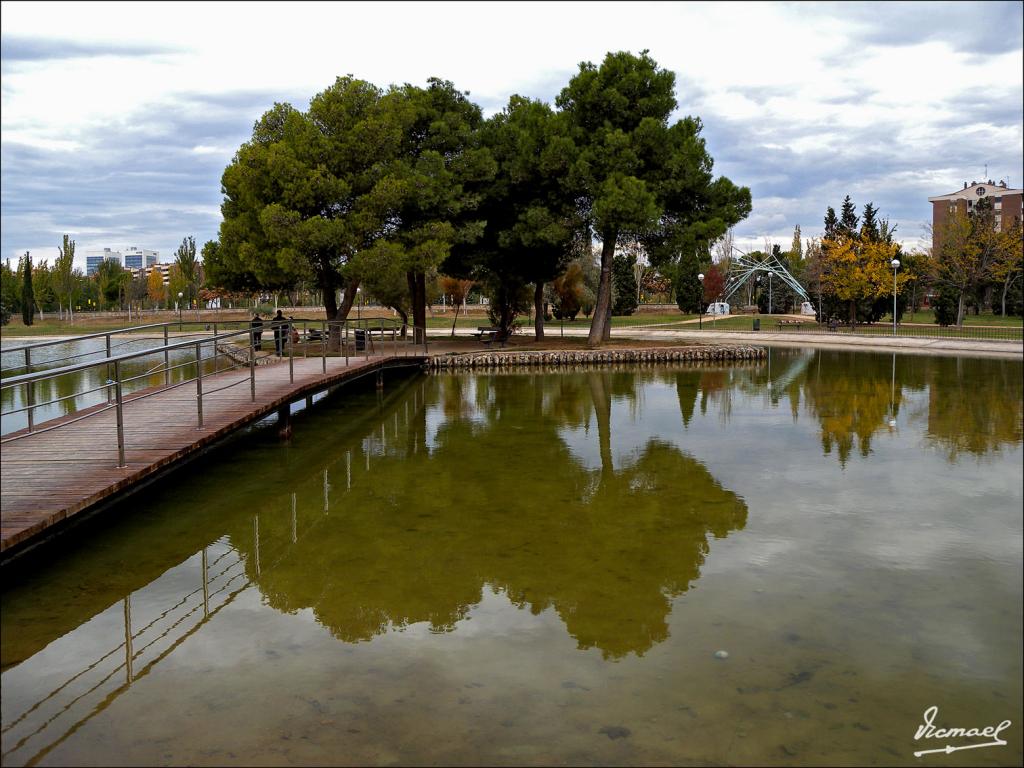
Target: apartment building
x=1006 y=203
x=163 y=269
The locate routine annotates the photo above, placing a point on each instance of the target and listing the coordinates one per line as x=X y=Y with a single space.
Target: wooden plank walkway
x=48 y=477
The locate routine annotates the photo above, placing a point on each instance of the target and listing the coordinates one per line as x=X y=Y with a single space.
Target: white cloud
x=800 y=83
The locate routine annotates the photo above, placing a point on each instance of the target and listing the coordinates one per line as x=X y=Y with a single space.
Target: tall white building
x=138 y=258
x=93 y=259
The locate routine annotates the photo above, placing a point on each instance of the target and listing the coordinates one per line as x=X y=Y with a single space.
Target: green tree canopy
x=636 y=174
x=64 y=274
x=188 y=264
x=307 y=193
x=529 y=209
x=435 y=177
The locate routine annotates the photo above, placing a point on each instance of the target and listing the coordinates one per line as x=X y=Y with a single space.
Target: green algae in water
x=532 y=568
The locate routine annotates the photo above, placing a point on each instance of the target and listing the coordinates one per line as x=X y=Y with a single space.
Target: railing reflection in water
x=222 y=576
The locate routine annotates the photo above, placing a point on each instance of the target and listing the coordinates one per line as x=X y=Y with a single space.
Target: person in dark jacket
x=257 y=331
x=279 y=333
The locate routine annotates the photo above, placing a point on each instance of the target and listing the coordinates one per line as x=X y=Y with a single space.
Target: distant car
x=718 y=308
x=806 y=308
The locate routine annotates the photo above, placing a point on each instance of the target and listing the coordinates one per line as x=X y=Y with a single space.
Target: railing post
x=120 y=415
x=394 y=340
x=30 y=391
x=291 y=353
x=199 y=382
x=206 y=587
x=128 y=653
x=252 y=365
x=167 y=359
x=216 y=355
x=344 y=343
x=325 y=329
x=108 y=354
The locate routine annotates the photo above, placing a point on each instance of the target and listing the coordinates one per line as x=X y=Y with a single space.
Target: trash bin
x=757 y=324
x=360 y=340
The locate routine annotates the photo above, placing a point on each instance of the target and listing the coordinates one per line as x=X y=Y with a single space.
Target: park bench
x=487 y=334
x=790 y=323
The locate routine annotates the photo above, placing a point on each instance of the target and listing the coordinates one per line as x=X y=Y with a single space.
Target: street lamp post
x=359 y=294
x=700 y=304
x=180 y=295
x=895 y=266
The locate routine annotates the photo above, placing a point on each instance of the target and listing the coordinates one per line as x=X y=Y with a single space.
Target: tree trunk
x=600 y=326
x=599 y=393
x=606 y=335
x=418 y=293
x=338 y=313
x=538 y=310
x=456 y=320
x=960 y=311
x=853 y=312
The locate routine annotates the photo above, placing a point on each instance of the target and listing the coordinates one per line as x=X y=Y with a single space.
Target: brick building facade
x=1006 y=203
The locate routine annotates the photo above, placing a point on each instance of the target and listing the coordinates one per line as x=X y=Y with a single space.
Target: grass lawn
x=985 y=318
x=85 y=323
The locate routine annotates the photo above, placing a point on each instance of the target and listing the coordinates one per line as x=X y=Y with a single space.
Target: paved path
x=910 y=344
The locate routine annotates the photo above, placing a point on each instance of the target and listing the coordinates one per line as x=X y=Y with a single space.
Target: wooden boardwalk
x=48 y=477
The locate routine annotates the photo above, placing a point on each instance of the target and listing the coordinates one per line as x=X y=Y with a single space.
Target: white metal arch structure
x=745 y=267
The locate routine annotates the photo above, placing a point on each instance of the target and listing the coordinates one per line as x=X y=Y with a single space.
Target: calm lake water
x=543 y=568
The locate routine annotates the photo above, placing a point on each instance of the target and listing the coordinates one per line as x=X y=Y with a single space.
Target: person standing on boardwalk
x=257 y=331
x=279 y=331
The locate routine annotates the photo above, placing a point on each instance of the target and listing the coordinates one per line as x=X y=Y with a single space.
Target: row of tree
x=849 y=272
x=387 y=188
x=63 y=289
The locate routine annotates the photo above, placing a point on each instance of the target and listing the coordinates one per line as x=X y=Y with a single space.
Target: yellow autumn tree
x=859 y=268
x=964 y=258
x=1008 y=260
x=155 y=287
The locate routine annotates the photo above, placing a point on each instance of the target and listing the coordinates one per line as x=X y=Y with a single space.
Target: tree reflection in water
x=606 y=549
x=974 y=405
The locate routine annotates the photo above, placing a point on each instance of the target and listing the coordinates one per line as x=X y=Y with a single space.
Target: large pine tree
x=869 y=222
x=831 y=223
x=848 y=218
x=640 y=176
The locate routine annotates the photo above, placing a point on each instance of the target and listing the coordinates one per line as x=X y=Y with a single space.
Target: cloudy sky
x=118 y=119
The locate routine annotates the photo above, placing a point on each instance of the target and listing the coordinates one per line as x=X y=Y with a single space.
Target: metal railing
x=292 y=337
x=980 y=333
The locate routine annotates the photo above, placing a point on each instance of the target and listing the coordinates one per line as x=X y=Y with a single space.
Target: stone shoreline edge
x=703 y=353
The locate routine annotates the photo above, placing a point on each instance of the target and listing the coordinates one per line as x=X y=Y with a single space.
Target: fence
x=235 y=349
x=990 y=333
